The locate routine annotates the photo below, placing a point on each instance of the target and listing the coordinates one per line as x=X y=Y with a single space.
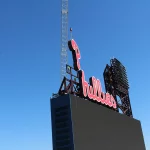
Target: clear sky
x=30 y=60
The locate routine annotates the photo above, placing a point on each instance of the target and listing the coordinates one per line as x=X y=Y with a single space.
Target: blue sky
x=30 y=60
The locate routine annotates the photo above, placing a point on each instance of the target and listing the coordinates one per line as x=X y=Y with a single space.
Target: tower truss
x=64 y=38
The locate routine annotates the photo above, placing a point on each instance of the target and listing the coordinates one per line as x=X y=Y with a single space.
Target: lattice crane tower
x=64 y=37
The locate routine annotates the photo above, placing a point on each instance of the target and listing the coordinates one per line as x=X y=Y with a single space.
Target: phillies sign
x=92 y=91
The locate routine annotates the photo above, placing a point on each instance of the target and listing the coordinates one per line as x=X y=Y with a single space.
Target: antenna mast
x=64 y=37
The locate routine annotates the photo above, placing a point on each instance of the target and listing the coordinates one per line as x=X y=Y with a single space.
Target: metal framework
x=116 y=83
x=70 y=85
x=64 y=38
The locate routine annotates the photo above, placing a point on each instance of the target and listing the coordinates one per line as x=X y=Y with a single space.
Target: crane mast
x=64 y=37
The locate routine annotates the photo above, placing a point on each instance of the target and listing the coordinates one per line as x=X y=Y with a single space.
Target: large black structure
x=116 y=83
x=79 y=124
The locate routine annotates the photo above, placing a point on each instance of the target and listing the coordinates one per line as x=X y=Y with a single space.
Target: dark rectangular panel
x=61 y=123
x=98 y=128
